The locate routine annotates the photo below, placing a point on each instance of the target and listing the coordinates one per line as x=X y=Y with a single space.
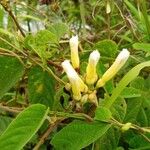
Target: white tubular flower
x=91 y=75
x=74 y=51
x=108 y=8
x=73 y=77
x=115 y=67
x=75 y=87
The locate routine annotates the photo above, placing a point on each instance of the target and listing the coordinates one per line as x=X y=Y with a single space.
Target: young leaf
x=10 y=72
x=78 y=135
x=42 y=43
x=142 y=46
x=102 y=114
x=107 y=48
x=41 y=87
x=59 y=29
x=21 y=129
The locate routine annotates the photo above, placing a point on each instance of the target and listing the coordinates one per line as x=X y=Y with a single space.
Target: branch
x=8 y=9
x=54 y=64
x=46 y=134
x=145 y=137
x=81 y=116
x=10 y=109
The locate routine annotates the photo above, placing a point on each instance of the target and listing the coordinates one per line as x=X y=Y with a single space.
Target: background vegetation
x=34 y=38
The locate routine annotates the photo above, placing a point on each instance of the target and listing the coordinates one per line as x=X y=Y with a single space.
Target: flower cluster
x=80 y=87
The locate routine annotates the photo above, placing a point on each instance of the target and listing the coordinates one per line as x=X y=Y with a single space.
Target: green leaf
x=102 y=114
x=130 y=92
x=143 y=117
x=138 y=83
x=1 y=17
x=133 y=9
x=110 y=140
x=10 y=72
x=142 y=46
x=21 y=129
x=6 y=32
x=61 y=100
x=107 y=48
x=42 y=43
x=132 y=112
x=131 y=75
x=59 y=29
x=41 y=87
x=147 y=83
x=78 y=135
x=139 y=143
x=119 y=109
x=4 y=122
x=44 y=37
x=144 y=113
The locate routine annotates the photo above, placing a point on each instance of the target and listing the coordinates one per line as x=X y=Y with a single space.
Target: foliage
x=38 y=105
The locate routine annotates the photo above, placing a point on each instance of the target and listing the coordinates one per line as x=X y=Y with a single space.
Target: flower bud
x=84 y=98
x=126 y=127
x=115 y=67
x=68 y=87
x=93 y=98
x=74 y=51
x=91 y=75
x=108 y=8
x=73 y=76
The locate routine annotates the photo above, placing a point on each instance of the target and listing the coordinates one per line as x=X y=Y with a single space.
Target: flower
x=115 y=67
x=74 y=51
x=108 y=8
x=77 y=84
x=91 y=75
x=75 y=87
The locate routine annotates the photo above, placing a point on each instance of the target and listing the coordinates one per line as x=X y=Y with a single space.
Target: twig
x=31 y=8
x=48 y=70
x=54 y=64
x=10 y=109
x=46 y=134
x=72 y=115
x=145 y=137
x=4 y=40
x=10 y=53
x=56 y=77
x=8 y=9
x=82 y=14
x=140 y=130
x=16 y=22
